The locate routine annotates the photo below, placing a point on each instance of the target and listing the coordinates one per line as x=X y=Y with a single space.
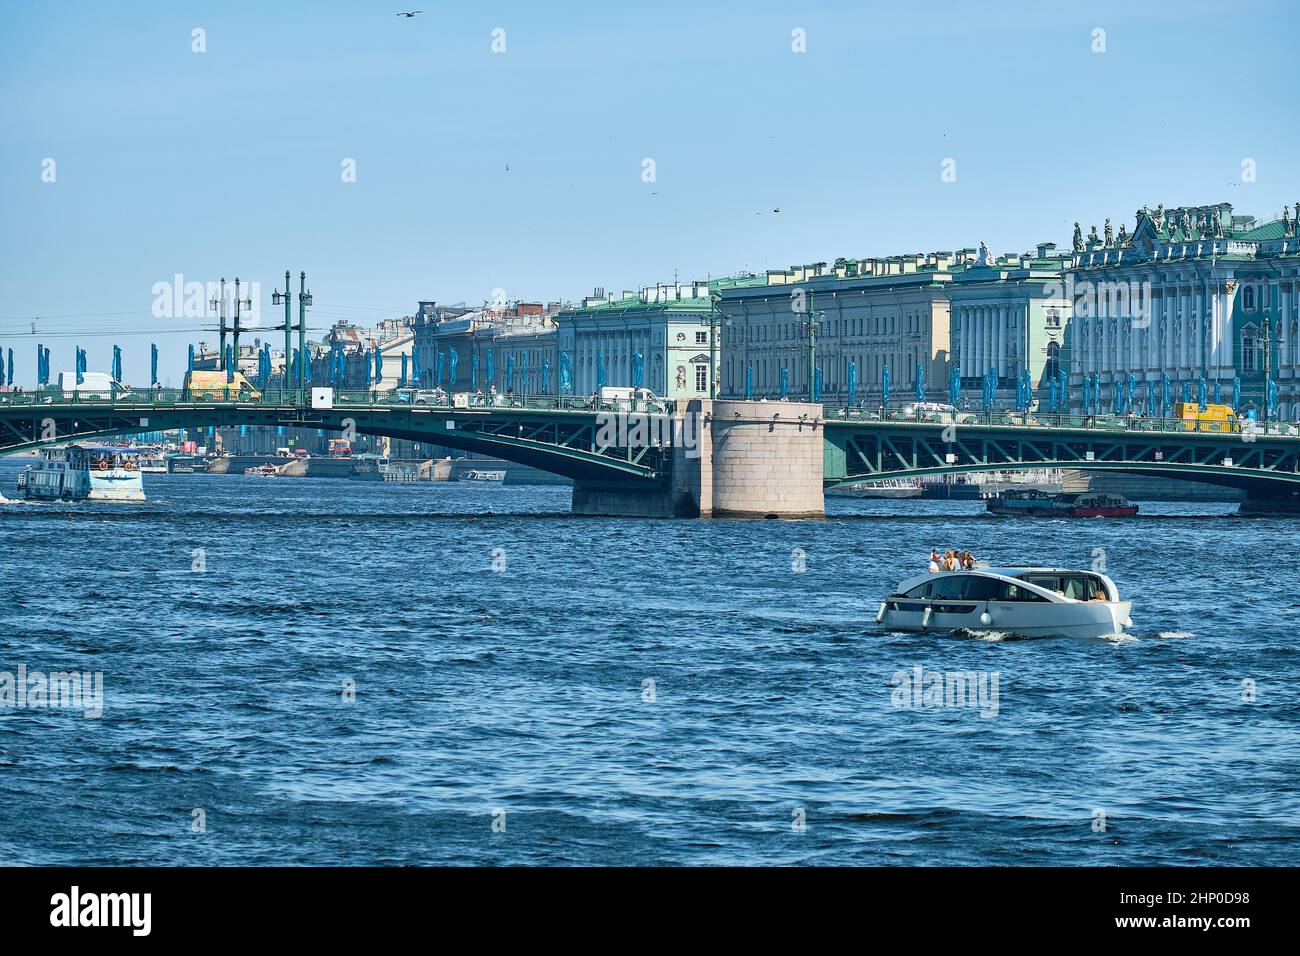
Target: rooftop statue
x=1092 y=235
x=1286 y=221
x=1160 y=218
x=985 y=258
x=1110 y=235
x=1123 y=234
x=1218 y=224
x=1078 y=238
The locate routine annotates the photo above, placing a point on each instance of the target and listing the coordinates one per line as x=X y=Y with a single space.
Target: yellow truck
x=1215 y=418
x=204 y=386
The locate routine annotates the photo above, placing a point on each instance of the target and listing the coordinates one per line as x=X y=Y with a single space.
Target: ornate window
x=1252 y=351
x=1248 y=298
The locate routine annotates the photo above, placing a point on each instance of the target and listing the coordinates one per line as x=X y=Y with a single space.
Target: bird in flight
x=410 y=14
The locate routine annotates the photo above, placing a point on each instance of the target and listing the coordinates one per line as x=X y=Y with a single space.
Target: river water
x=315 y=671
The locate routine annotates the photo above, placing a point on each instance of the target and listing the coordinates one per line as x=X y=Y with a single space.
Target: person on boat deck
x=950 y=561
x=968 y=561
x=934 y=561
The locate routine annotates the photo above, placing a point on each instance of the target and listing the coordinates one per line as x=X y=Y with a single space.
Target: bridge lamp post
x=278 y=297
x=810 y=328
x=715 y=322
x=1268 y=358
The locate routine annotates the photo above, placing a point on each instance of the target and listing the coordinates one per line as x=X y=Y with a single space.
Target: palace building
x=1195 y=292
x=921 y=313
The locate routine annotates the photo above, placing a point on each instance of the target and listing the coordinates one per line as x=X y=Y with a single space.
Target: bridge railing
x=124 y=398
x=1056 y=420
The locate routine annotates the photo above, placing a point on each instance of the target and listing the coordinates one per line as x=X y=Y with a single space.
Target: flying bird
x=410 y=14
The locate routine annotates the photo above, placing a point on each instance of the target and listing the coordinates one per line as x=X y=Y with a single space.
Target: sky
x=505 y=146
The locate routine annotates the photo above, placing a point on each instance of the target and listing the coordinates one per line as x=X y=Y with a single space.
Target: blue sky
x=522 y=170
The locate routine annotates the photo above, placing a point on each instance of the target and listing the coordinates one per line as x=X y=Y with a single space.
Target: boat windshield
x=972 y=587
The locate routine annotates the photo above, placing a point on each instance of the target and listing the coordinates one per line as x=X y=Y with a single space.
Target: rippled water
x=523 y=694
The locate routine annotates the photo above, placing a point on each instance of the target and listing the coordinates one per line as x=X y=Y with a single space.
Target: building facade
x=660 y=336
x=915 y=315
x=1194 y=293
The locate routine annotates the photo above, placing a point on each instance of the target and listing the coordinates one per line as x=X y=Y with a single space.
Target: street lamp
x=1268 y=359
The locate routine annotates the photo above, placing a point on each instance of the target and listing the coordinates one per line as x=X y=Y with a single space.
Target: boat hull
x=1079 y=619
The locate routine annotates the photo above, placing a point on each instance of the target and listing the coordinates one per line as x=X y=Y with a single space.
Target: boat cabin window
x=1015 y=592
x=1080 y=587
x=950 y=586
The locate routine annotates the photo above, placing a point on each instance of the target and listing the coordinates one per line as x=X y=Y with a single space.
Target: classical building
x=515 y=341
x=912 y=314
x=1193 y=292
x=660 y=334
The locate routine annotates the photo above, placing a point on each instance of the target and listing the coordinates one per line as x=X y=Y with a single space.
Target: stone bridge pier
x=730 y=459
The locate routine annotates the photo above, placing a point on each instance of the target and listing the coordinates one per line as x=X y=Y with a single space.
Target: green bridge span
x=572 y=438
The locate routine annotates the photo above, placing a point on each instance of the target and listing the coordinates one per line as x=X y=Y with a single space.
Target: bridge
x=699 y=457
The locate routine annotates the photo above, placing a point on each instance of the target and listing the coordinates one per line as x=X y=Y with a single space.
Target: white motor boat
x=1033 y=602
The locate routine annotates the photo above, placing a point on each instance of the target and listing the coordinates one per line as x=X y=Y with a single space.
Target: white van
x=92 y=385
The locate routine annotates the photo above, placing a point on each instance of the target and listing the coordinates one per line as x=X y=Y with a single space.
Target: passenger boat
x=1032 y=602
x=474 y=474
x=1040 y=504
x=264 y=471
x=152 y=463
x=85 y=472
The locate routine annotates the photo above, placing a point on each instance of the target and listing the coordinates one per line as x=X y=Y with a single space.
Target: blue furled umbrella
x=264 y=365
x=117 y=363
x=920 y=382
x=1117 y=397
x=306 y=368
x=230 y=363
x=1087 y=394
x=1052 y=398
x=884 y=385
x=1218 y=392
x=379 y=364
x=10 y=377
x=40 y=364
x=1132 y=391
x=817 y=385
x=1186 y=395
x=1065 y=390
x=190 y=367
x=954 y=385
x=1202 y=393
x=510 y=370
x=366 y=368
x=1270 y=394
x=416 y=371
x=546 y=375
x=473 y=371
x=566 y=373
x=1236 y=392
x=749 y=381
x=600 y=369
x=80 y=365
x=491 y=369
x=153 y=364
x=453 y=359
x=1096 y=393
x=406 y=366
x=437 y=377
x=638 y=370
x=1166 y=395
x=785 y=382
x=1029 y=388
x=853 y=384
